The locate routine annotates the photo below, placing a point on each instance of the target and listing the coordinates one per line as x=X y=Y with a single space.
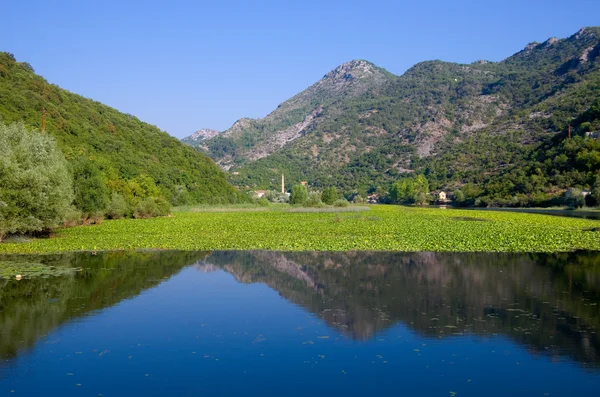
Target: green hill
x=122 y=146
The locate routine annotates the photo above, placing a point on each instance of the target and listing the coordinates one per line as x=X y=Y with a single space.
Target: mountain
x=200 y=136
x=361 y=127
x=123 y=147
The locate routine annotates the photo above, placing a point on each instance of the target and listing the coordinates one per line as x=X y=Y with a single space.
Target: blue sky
x=184 y=65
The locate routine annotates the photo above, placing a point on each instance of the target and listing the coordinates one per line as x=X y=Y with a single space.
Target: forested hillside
x=128 y=153
x=502 y=127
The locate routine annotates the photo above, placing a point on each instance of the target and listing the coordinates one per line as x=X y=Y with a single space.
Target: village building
x=442 y=197
x=260 y=193
x=373 y=198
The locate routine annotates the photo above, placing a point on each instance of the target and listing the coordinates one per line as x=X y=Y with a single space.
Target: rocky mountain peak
x=201 y=135
x=356 y=69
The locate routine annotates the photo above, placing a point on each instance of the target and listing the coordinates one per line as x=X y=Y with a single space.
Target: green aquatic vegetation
x=395 y=229
x=26 y=270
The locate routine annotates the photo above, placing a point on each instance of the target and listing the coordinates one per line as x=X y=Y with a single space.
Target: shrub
x=314 y=200
x=329 y=195
x=299 y=195
x=263 y=202
x=36 y=185
x=72 y=217
x=151 y=207
x=341 y=203
x=117 y=208
x=276 y=197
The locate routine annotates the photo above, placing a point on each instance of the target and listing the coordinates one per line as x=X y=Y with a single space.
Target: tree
x=329 y=195
x=421 y=190
x=596 y=191
x=574 y=198
x=459 y=197
x=299 y=194
x=36 y=186
x=403 y=191
x=91 y=193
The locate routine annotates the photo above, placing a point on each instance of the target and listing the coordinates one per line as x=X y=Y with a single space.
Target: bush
x=276 y=197
x=117 y=208
x=329 y=195
x=72 y=217
x=151 y=207
x=263 y=202
x=314 y=200
x=36 y=186
x=299 y=195
x=341 y=203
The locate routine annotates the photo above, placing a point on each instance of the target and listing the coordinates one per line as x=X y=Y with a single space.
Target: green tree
x=36 y=186
x=299 y=195
x=329 y=195
x=459 y=197
x=596 y=191
x=91 y=193
x=403 y=191
x=421 y=189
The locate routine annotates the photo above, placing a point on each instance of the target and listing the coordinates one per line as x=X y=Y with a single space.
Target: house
x=442 y=197
x=260 y=193
x=304 y=183
x=373 y=198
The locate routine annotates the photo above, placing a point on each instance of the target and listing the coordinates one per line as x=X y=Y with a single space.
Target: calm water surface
x=301 y=324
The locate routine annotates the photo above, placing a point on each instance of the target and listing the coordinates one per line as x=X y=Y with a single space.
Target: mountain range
x=361 y=127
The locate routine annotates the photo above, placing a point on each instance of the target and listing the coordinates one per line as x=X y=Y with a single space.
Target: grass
x=389 y=228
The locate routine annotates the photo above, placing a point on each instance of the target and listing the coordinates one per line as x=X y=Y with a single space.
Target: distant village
x=438 y=197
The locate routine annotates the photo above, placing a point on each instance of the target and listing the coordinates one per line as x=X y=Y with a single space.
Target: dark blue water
x=273 y=324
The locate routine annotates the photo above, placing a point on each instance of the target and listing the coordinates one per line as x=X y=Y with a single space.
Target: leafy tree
x=574 y=198
x=35 y=184
x=459 y=197
x=329 y=195
x=421 y=190
x=403 y=191
x=596 y=191
x=299 y=195
x=91 y=193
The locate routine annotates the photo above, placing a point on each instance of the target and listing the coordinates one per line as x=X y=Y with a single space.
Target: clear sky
x=184 y=65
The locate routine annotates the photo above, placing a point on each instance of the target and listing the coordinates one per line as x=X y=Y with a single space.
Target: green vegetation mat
x=389 y=228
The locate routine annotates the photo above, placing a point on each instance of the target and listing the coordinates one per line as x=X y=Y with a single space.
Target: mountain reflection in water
x=548 y=303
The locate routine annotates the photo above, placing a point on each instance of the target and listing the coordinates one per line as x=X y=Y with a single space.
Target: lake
x=159 y=323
